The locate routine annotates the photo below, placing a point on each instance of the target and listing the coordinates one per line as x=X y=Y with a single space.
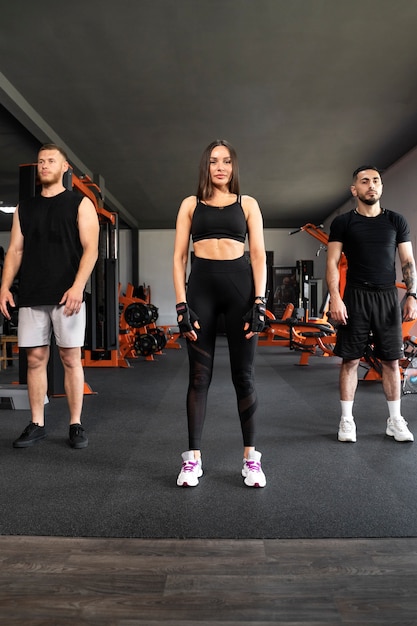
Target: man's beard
x=52 y=179
x=369 y=201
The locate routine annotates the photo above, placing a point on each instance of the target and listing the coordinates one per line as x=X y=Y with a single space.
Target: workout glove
x=188 y=317
x=256 y=318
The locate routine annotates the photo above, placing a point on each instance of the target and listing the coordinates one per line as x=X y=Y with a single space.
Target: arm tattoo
x=409 y=275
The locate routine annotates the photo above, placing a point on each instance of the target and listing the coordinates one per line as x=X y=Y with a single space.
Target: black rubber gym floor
x=124 y=483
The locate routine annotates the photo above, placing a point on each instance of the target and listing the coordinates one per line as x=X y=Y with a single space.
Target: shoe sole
x=27 y=444
x=255 y=485
x=407 y=440
x=78 y=446
x=346 y=439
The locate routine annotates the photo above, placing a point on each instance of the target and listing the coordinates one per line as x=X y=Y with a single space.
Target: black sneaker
x=31 y=435
x=77 y=436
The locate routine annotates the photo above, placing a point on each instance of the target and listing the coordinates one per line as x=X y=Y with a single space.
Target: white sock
x=394 y=408
x=347 y=406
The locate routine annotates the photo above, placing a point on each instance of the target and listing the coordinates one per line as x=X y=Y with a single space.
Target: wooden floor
x=126 y=582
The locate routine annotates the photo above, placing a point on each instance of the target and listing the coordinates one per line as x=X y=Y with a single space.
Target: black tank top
x=52 y=248
x=210 y=222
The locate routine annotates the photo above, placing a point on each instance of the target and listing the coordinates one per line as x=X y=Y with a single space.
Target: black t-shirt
x=370 y=245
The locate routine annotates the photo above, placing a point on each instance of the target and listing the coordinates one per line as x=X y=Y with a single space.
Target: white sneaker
x=397 y=428
x=347 y=430
x=191 y=470
x=252 y=470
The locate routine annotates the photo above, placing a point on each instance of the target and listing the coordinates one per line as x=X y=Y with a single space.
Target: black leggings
x=215 y=288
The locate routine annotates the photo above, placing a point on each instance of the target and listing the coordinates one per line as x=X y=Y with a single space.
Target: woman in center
x=221 y=281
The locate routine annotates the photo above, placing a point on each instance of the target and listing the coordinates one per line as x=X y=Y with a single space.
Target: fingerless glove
x=256 y=317
x=188 y=317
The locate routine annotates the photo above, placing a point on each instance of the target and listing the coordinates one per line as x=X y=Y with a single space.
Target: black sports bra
x=227 y=222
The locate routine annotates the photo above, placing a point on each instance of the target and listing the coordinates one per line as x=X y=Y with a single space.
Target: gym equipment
x=102 y=345
x=317 y=233
x=139 y=314
x=304 y=271
x=5 y=342
x=154 y=312
x=138 y=333
x=171 y=337
x=309 y=338
x=16 y=397
x=160 y=336
x=410 y=367
x=146 y=344
x=151 y=342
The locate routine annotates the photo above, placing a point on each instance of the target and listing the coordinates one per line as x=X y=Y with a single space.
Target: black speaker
x=305 y=271
x=28 y=181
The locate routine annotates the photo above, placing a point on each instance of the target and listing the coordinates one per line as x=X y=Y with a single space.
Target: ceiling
x=306 y=90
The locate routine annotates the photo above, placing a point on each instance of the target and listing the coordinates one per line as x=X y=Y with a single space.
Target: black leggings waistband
x=211 y=266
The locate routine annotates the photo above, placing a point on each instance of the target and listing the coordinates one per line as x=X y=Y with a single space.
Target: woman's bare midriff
x=219 y=249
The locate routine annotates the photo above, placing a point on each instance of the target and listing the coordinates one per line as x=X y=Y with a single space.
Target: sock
x=394 y=408
x=347 y=406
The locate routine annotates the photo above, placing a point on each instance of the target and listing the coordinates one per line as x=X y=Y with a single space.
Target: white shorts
x=35 y=326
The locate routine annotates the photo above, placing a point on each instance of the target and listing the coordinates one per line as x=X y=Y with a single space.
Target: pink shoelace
x=253 y=466
x=189 y=466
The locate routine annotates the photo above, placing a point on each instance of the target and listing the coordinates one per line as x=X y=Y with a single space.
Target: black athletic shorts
x=371 y=310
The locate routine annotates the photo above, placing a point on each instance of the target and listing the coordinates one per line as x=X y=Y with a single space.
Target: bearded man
x=54 y=248
x=370 y=237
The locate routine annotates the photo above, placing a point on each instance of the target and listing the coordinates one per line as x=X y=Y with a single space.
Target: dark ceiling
x=306 y=90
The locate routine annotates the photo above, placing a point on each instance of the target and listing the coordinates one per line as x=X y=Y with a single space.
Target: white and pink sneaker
x=191 y=470
x=252 y=470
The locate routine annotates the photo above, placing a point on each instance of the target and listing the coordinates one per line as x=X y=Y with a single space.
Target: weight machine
x=309 y=338
x=101 y=347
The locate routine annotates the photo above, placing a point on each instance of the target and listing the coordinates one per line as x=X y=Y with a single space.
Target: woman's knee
x=200 y=381
x=243 y=382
